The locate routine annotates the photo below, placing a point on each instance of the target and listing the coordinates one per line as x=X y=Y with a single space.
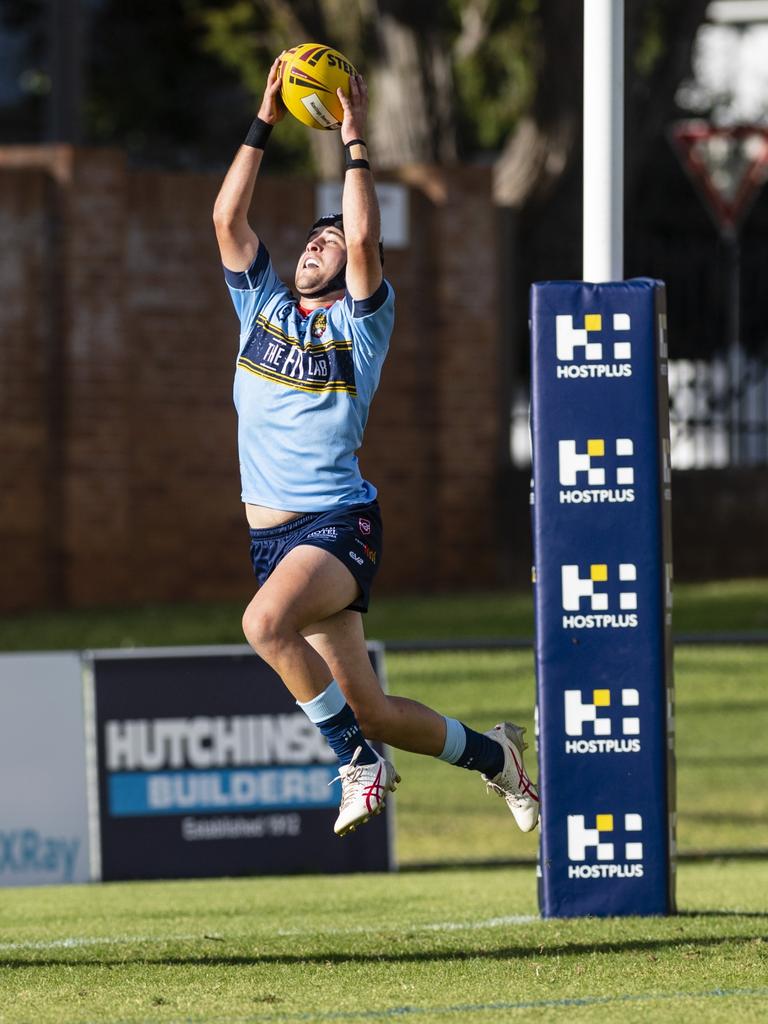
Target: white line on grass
x=464 y=1008
x=492 y=922
x=122 y=940
x=110 y=940
x=438 y=926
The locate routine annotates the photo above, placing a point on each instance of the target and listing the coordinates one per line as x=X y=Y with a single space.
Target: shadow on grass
x=731 y=707
x=723 y=913
x=724 y=818
x=759 y=853
x=447 y=956
x=747 y=761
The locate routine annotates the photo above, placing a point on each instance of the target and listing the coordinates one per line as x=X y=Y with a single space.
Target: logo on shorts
x=356 y=558
x=369 y=552
x=364 y=526
x=319 y=325
x=325 y=532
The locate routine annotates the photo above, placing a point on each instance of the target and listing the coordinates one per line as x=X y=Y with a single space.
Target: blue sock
x=470 y=749
x=336 y=720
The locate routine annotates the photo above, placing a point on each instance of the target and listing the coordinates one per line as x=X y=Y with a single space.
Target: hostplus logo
x=605 y=850
x=599 y=728
x=596 y=606
x=579 y=468
x=590 y=350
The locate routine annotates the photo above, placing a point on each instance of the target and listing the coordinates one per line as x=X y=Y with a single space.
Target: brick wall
x=24 y=361
x=119 y=468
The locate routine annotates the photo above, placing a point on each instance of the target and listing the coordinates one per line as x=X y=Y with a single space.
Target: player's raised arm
x=362 y=222
x=237 y=240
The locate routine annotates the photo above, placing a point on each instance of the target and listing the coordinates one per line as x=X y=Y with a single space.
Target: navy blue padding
x=600 y=427
x=244 y=280
x=364 y=307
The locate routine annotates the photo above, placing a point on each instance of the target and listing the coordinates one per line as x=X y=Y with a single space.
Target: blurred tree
x=24 y=81
x=495 y=80
x=155 y=91
x=660 y=35
x=445 y=78
x=413 y=108
x=537 y=173
x=403 y=49
x=245 y=38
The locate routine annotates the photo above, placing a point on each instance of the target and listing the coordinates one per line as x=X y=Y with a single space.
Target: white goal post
x=603 y=211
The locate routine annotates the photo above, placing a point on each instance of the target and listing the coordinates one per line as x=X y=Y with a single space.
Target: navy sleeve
x=245 y=280
x=253 y=288
x=364 y=307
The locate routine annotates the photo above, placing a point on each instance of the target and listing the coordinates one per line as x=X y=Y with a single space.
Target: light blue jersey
x=303 y=388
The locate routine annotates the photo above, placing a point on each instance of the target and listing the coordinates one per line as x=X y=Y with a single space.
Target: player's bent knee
x=262 y=626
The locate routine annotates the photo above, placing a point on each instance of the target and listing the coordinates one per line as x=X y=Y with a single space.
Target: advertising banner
x=43 y=805
x=207 y=767
x=602 y=552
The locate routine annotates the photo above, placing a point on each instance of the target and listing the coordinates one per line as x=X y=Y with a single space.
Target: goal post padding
x=602 y=553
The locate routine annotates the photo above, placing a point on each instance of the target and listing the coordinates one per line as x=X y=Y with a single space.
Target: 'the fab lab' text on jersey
x=303 y=389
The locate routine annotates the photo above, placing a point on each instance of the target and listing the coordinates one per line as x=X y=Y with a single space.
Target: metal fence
x=718 y=413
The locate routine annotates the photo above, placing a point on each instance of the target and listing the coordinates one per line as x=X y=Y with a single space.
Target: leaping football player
x=307 y=370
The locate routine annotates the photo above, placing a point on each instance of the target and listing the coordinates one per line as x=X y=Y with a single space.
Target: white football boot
x=512 y=783
x=364 y=789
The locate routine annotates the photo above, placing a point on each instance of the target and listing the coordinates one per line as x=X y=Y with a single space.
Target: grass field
x=722 y=754
x=723 y=607
x=437 y=946
x=452 y=944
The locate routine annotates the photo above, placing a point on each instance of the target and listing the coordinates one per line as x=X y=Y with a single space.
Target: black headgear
x=338 y=281
x=331 y=220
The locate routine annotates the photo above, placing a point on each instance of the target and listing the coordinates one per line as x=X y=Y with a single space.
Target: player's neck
x=307 y=306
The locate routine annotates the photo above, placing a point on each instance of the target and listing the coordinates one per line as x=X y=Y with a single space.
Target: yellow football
x=310 y=74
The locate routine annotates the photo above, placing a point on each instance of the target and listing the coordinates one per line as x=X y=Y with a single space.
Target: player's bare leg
x=408 y=725
x=310 y=584
x=398 y=721
x=299 y=623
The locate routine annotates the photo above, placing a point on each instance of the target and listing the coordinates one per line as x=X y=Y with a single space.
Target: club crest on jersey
x=319 y=325
x=364 y=525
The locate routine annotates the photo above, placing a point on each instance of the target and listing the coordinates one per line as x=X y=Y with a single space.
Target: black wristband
x=258 y=134
x=349 y=161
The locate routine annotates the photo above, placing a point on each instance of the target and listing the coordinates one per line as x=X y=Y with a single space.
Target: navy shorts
x=352 y=533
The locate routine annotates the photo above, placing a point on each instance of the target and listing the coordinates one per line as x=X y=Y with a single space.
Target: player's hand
x=355 y=107
x=272 y=108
